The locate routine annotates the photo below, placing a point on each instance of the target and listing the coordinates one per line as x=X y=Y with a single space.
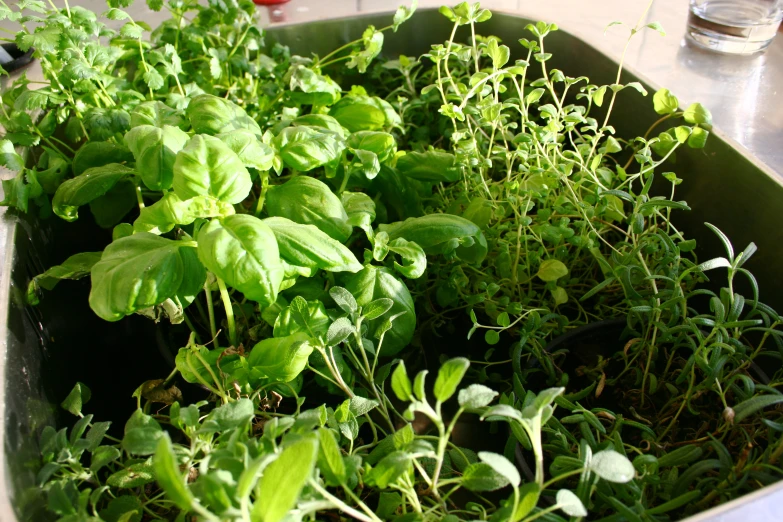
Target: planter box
x=50 y=347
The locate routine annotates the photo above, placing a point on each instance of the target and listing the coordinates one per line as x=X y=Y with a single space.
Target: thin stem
x=211 y=311
x=342 y=506
x=226 y=298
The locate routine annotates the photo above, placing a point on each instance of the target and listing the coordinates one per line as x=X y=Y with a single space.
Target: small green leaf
x=283 y=480
x=377 y=308
x=754 y=404
x=492 y=337
x=168 y=475
x=102 y=456
x=656 y=26
x=476 y=396
x=664 y=102
x=528 y=499
x=75 y=400
x=449 y=377
x=330 y=460
x=480 y=477
x=570 y=504
x=401 y=384
x=502 y=465
x=696 y=113
x=698 y=138
x=612 y=466
x=389 y=469
x=418 y=385
x=552 y=270
x=344 y=299
x=9 y=158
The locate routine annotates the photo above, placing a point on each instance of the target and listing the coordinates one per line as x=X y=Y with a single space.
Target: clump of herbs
x=307 y=232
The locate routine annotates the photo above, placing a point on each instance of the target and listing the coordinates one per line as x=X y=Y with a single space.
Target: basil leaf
x=306 y=148
x=157 y=114
x=414 y=261
x=281 y=359
x=316 y=89
x=242 y=251
x=170 y=211
x=435 y=233
x=111 y=208
x=212 y=115
x=75 y=267
x=97 y=154
x=307 y=246
x=313 y=320
x=136 y=272
x=323 y=121
x=208 y=167
x=374 y=283
x=360 y=113
x=307 y=201
x=432 y=166
x=381 y=143
x=82 y=189
x=253 y=152
x=360 y=209
x=155 y=150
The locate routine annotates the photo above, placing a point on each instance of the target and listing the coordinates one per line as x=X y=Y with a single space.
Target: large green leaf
x=281 y=359
x=212 y=115
x=306 y=148
x=435 y=233
x=242 y=251
x=307 y=246
x=360 y=113
x=89 y=186
x=99 y=153
x=374 y=283
x=137 y=272
x=381 y=143
x=170 y=211
x=432 y=166
x=208 y=167
x=155 y=150
x=158 y=114
x=310 y=88
x=75 y=267
x=307 y=201
x=253 y=152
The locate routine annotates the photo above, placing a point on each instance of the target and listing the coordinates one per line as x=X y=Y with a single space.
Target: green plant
x=234 y=177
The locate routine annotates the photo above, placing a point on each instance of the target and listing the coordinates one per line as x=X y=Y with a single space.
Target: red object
x=270 y=2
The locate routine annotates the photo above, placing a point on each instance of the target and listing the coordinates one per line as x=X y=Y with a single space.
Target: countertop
x=741 y=91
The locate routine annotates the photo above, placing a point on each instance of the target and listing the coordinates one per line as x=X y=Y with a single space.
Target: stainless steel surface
x=723 y=184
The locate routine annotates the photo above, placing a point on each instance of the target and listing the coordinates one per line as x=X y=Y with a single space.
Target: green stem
x=211 y=311
x=139 y=198
x=232 y=329
x=342 y=506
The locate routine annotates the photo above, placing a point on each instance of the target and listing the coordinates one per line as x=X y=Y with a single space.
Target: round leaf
x=208 y=167
x=242 y=251
x=612 y=466
x=552 y=270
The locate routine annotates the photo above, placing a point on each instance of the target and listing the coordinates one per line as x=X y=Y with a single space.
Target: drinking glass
x=734 y=26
